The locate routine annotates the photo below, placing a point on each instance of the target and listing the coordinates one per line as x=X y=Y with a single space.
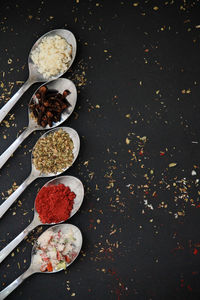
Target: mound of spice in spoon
x=47 y=106
x=54 y=203
x=54 y=152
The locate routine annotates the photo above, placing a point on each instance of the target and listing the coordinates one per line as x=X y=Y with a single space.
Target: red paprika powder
x=54 y=203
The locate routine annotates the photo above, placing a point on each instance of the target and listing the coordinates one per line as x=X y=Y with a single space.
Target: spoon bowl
x=60 y=84
x=75 y=186
x=35 y=267
x=34 y=75
x=76 y=142
x=33 y=70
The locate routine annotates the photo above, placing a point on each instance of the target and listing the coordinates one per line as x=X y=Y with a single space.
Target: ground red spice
x=54 y=203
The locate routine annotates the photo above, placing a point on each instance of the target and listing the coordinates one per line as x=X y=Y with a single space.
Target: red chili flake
x=195 y=251
x=195 y=273
x=189 y=288
x=90 y=226
x=146 y=50
x=141 y=152
x=162 y=153
x=197 y=206
x=182 y=283
x=112 y=272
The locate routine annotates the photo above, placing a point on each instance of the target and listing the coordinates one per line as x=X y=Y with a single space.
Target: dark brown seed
x=56 y=118
x=49 y=122
x=66 y=93
x=37 y=95
x=42 y=89
x=49 y=106
x=43 y=123
x=59 y=96
x=42 y=108
x=64 y=106
x=49 y=92
x=49 y=114
x=46 y=104
x=60 y=102
x=51 y=96
x=44 y=118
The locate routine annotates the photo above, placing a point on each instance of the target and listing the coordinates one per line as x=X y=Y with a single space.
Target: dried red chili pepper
x=49 y=106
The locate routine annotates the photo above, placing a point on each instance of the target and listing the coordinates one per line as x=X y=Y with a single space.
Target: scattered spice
x=54 y=152
x=54 y=203
x=47 y=106
x=171 y=165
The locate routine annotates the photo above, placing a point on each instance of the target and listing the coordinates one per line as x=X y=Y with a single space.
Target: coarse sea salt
x=52 y=56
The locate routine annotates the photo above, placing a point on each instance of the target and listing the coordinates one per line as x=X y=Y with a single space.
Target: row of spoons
x=59 y=84
x=54 y=83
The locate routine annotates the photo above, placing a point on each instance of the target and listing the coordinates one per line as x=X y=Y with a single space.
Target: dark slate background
x=137 y=72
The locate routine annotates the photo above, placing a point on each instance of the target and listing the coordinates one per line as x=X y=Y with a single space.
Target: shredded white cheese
x=52 y=56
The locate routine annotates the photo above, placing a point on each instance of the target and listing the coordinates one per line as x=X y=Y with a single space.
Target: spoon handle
x=11 y=149
x=9 y=201
x=14 y=243
x=11 y=287
x=7 y=107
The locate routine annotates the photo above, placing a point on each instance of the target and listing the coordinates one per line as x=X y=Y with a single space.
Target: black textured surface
x=137 y=71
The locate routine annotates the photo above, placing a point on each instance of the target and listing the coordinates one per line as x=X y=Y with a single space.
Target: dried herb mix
x=54 y=152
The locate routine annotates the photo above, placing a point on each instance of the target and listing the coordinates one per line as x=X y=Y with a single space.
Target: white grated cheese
x=52 y=56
